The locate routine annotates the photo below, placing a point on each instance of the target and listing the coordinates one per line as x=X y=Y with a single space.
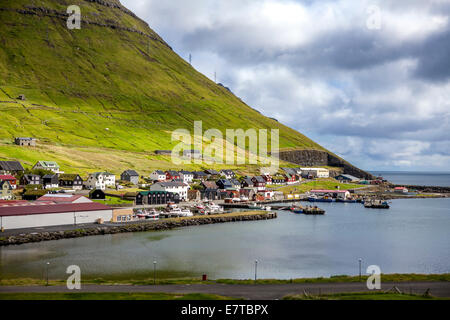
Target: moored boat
x=376 y=204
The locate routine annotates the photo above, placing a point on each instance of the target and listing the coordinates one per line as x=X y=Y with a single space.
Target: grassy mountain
x=107 y=95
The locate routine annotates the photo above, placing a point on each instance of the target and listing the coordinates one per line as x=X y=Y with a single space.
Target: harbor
x=399 y=240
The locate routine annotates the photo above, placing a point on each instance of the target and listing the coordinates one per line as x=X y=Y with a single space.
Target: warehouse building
x=44 y=214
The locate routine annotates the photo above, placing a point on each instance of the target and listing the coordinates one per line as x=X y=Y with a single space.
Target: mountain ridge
x=113 y=84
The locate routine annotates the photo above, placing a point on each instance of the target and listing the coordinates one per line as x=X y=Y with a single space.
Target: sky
x=368 y=80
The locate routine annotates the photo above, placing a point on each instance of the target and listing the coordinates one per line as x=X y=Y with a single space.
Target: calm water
x=441 y=179
x=413 y=236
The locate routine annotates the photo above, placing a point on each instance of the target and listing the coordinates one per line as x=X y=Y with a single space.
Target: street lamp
x=256 y=269
x=360 y=260
x=154 y=272
x=48 y=264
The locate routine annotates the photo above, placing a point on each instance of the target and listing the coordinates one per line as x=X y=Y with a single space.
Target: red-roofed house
x=12 y=180
x=42 y=214
x=400 y=190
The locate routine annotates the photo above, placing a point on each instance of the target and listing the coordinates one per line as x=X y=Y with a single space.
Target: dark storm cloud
x=434 y=57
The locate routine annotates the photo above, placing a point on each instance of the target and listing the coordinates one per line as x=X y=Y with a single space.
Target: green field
x=105 y=98
x=190 y=280
x=112 y=201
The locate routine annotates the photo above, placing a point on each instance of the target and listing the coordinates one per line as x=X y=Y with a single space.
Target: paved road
x=253 y=292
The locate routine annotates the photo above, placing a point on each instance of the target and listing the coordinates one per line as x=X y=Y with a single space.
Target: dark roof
x=68 y=177
x=96 y=190
x=199 y=173
x=36 y=208
x=131 y=173
x=225 y=182
x=235 y=181
x=186 y=172
x=290 y=171
x=28 y=176
x=50 y=176
x=159 y=172
x=210 y=185
x=11 y=166
x=259 y=179
x=248 y=181
x=173 y=172
x=211 y=171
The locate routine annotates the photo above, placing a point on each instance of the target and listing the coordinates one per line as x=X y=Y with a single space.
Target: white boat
x=213 y=208
x=177 y=212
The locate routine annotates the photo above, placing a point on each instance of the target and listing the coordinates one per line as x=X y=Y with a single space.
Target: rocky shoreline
x=160 y=225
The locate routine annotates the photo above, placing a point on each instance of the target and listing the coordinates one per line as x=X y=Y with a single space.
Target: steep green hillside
x=113 y=85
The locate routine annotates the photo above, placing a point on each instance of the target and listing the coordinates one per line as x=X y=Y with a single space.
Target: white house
x=47 y=165
x=227 y=174
x=100 y=180
x=186 y=176
x=158 y=175
x=176 y=187
x=318 y=172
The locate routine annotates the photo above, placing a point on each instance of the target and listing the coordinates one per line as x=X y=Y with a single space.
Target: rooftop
x=46 y=208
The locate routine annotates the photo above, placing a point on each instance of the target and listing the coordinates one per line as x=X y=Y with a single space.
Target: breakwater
x=160 y=225
x=430 y=189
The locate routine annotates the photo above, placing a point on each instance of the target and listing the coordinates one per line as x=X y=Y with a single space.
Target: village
x=43 y=195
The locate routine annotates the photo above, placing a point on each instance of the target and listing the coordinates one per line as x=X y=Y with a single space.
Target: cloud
x=379 y=97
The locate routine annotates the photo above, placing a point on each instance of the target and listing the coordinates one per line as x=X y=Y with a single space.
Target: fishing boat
x=255 y=206
x=376 y=204
x=297 y=210
x=315 y=198
x=152 y=215
x=313 y=211
x=213 y=208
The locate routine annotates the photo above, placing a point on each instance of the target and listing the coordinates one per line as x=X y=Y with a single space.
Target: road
x=251 y=292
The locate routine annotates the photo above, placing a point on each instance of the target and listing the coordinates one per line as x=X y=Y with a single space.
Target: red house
x=289 y=178
x=172 y=175
x=12 y=180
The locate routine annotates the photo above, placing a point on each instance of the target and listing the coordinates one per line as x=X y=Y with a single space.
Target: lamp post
x=256 y=269
x=360 y=260
x=48 y=264
x=154 y=272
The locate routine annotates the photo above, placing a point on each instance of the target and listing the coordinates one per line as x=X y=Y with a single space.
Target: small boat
x=213 y=208
x=315 y=198
x=313 y=211
x=255 y=206
x=297 y=210
x=153 y=215
x=376 y=204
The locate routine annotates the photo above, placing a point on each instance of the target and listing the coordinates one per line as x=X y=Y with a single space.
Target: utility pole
x=215 y=77
x=256 y=269
x=190 y=59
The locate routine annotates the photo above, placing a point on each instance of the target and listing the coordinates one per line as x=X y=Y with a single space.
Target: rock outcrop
x=311 y=158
